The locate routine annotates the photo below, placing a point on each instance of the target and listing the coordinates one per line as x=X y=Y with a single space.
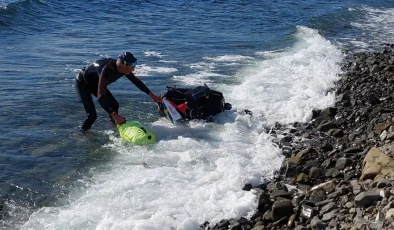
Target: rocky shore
x=339 y=168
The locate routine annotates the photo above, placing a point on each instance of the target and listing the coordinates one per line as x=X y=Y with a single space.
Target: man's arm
x=102 y=90
x=137 y=82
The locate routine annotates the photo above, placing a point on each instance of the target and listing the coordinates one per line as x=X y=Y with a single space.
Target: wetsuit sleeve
x=137 y=82
x=102 y=89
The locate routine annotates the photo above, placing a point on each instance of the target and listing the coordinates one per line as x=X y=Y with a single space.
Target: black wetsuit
x=94 y=80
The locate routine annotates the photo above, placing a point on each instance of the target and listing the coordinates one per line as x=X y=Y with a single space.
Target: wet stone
x=326 y=208
x=330 y=215
x=307 y=212
x=326 y=126
x=280 y=193
x=349 y=205
x=333 y=223
x=349 y=175
x=353 y=150
x=281 y=221
x=342 y=163
x=281 y=209
x=317 y=196
x=315 y=172
x=365 y=198
x=324 y=202
x=290 y=222
x=235 y=225
x=297 y=199
x=383 y=183
x=318 y=224
x=302 y=178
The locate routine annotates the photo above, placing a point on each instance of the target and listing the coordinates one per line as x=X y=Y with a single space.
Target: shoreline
x=338 y=171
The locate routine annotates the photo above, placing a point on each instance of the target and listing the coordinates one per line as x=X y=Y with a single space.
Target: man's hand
x=155 y=98
x=118 y=118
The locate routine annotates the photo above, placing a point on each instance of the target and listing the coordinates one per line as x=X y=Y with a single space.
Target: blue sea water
x=278 y=59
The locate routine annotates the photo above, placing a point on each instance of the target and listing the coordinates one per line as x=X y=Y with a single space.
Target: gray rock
x=365 y=198
x=281 y=221
x=353 y=150
x=383 y=183
x=333 y=223
x=281 y=209
x=379 y=216
x=300 y=227
x=383 y=135
x=343 y=199
x=317 y=196
x=235 y=225
x=375 y=69
x=377 y=225
x=326 y=125
x=389 y=206
x=259 y=223
x=324 y=202
x=267 y=215
x=290 y=222
x=329 y=172
x=297 y=199
x=330 y=112
x=263 y=198
x=302 y=178
x=335 y=133
x=343 y=97
x=307 y=212
x=356 y=187
x=342 y=163
x=304 y=188
x=315 y=172
x=390 y=214
x=359 y=222
x=280 y=193
x=329 y=216
x=349 y=175
x=335 y=173
x=318 y=224
x=349 y=205
x=334 y=194
x=328 y=186
x=326 y=208
x=260 y=227
x=385 y=193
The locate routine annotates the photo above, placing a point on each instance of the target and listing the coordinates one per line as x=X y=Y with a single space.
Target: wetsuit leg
x=85 y=97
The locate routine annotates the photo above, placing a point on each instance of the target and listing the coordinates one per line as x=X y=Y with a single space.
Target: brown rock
x=382 y=126
x=375 y=163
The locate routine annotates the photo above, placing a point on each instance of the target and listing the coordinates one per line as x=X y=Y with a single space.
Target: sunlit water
x=278 y=68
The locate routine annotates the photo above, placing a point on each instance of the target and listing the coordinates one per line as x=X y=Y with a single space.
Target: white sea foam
x=203 y=66
x=195 y=174
x=229 y=58
x=199 y=78
x=377 y=26
x=288 y=87
x=168 y=61
x=145 y=70
x=271 y=54
x=152 y=54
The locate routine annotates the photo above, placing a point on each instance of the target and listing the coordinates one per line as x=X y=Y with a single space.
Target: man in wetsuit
x=94 y=80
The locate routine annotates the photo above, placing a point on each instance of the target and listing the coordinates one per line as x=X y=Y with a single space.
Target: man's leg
x=86 y=98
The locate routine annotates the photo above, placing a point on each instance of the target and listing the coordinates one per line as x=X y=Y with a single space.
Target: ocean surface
x=279 y=59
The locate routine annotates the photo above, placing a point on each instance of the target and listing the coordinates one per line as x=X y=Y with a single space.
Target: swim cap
x=127 y=59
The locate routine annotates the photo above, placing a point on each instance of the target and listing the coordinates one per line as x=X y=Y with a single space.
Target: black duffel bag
x=200 y=102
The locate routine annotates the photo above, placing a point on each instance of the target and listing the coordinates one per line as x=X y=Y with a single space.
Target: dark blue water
x=45 y=43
